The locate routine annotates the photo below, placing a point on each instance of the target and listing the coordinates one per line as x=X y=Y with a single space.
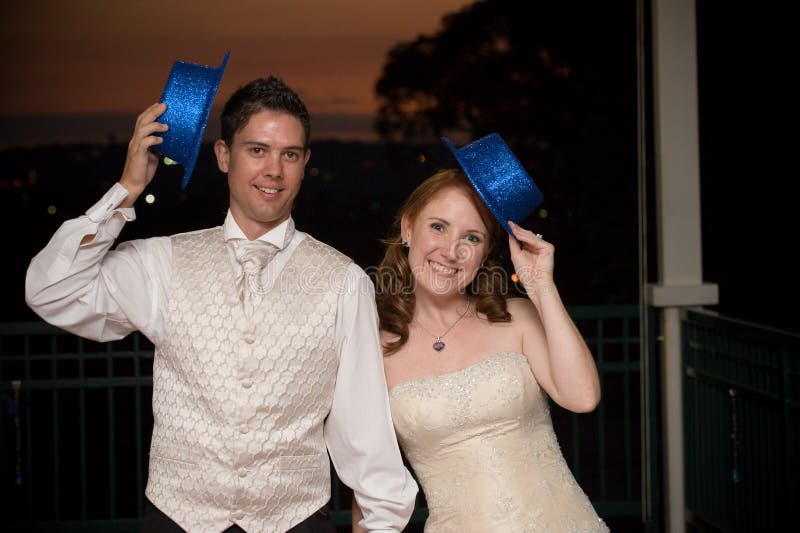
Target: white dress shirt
x=105 y=295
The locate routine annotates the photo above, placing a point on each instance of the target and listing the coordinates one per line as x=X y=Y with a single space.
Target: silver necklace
x=438 y=345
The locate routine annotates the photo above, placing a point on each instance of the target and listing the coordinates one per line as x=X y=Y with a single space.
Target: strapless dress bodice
x=482 y=445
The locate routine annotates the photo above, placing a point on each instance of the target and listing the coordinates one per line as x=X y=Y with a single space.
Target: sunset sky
x=65 y=60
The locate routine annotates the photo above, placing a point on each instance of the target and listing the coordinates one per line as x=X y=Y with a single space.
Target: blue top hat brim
x=189 y=93
x=499 y=178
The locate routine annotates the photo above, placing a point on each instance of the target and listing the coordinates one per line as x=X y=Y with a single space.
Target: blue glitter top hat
x=499 y=178
x=189 y=93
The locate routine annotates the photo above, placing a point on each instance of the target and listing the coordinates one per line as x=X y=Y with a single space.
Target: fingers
x=527 y=237
x=146 y=126
x=140 y=162
x=533 y=259
x=151 y=113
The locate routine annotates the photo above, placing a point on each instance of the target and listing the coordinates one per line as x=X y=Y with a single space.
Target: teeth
x=266 y=190
x=442 y=269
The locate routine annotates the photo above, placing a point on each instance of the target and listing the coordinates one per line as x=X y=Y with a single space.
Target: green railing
x=77 y=422
x=604 y=448
x=742 y=424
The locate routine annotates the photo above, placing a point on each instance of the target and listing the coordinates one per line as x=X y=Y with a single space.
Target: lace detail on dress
x=482 y=445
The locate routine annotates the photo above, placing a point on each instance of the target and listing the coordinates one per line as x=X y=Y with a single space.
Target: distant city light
x=51 y=210
x=150 y=198
x=168 y=161
x=542 y=213
x=421 y=158
x=314 y=171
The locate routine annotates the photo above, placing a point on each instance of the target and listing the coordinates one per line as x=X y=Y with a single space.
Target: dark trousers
x=155 y=521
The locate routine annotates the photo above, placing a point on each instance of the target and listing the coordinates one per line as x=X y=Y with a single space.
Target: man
x=257 y=368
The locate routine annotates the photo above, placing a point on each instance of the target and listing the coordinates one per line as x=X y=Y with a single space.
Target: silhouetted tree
x=495 y=65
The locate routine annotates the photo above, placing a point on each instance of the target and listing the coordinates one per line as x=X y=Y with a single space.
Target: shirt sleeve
x=359 y=431
x=96 y=293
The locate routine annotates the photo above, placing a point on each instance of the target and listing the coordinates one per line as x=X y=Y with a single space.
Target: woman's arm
x=356 y=516
x=559 y=357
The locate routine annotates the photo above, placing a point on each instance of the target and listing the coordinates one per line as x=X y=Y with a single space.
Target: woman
x=469 y=370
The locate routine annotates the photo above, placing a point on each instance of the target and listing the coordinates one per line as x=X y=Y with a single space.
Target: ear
x=223 y=154
x=307 y=156
x=405 y=228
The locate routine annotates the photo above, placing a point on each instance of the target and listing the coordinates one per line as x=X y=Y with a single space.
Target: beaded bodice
x=482 y=444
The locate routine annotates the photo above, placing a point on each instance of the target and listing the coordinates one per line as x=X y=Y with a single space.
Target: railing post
x=677 y=175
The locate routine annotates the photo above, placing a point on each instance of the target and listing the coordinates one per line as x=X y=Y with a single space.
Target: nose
x=273 y=167
x=456 y=250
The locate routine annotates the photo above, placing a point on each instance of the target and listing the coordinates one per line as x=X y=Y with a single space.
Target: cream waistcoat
x=238 y=416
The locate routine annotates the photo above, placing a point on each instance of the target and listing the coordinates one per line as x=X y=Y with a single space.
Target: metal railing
x=77 y=422
x=742 y=423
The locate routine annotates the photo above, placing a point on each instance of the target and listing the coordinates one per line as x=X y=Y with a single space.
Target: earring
x=404 y=243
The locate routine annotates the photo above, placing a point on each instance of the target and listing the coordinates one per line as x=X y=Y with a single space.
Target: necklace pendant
x=438 y=345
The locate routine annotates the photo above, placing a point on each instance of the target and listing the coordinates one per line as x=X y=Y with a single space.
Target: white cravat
x=253 y=256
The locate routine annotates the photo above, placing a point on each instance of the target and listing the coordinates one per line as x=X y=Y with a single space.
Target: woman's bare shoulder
x=520 y=307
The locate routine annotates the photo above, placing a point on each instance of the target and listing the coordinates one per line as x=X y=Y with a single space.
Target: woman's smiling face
x=447 y=242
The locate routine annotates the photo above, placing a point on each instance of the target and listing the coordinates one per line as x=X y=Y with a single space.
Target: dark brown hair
x=395 y=281
x=262 y=93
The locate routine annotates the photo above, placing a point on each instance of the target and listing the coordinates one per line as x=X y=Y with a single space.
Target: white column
x=680 y=262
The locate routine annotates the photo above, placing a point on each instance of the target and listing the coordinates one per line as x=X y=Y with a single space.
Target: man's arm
x=359 y=431
x=77 y=284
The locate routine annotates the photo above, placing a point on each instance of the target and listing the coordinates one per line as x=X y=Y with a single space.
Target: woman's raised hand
x=533 y=259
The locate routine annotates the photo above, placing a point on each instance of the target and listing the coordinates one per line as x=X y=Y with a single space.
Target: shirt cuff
x=108 y=206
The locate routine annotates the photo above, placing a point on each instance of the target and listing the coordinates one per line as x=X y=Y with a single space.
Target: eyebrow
x=265 y=145
x=446 y=223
